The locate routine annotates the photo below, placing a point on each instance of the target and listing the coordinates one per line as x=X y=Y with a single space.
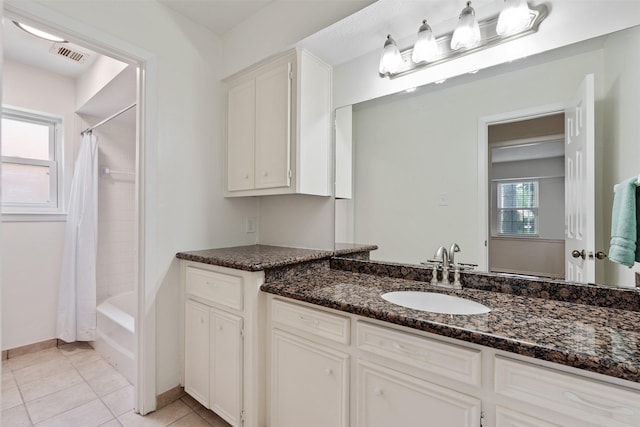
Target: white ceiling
x=25 y=48
x=218 y=16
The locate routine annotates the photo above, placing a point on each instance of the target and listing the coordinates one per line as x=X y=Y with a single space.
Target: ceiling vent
x=69 y=51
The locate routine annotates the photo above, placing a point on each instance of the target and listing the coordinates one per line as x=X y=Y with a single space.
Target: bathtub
x=115 y=333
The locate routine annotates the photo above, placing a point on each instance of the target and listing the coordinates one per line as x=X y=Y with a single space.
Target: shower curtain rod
x=113 y=116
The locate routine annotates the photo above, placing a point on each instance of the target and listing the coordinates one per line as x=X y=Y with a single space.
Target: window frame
x=498 y=210
x=20 y=211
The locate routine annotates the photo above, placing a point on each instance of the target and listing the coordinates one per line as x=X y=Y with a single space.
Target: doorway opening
x=526 y=196
x=93 y=97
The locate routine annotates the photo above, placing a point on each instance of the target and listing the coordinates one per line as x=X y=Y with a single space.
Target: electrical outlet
x=251 y=225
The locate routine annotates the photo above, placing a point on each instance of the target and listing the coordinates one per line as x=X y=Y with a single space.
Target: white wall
x=412 y=148
x=32 y=251
x=621 y=151
x=298 y=221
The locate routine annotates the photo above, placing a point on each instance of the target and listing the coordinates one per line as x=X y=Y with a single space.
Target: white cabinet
x=388 y=398
x=223 y=342
x=309 y=384
x=279 y=128
x=225 y=395
x=196 y=351
x=572 y=400
x=213 y=360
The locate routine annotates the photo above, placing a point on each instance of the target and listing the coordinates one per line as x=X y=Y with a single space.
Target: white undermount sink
x=435 y=302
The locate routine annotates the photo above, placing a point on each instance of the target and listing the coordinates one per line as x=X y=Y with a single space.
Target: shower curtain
x=77 y=290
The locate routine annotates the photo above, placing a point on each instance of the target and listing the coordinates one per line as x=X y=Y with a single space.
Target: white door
x=580 y=185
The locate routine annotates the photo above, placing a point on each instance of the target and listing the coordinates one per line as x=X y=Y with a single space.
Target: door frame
x=484 y=225
x=146 y=119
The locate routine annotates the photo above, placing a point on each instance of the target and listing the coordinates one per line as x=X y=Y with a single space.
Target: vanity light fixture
x=517 y=19
x=426 y=47
x=514 y=17
x=391 y=59
x=39 y=33
x=467 y=32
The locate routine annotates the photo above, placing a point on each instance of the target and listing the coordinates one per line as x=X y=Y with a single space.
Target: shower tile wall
x=116 y=209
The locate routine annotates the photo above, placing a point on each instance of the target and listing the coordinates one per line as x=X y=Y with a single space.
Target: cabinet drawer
x=569 y=394
x=316 y=322
x=448 y=360
x=219 y=288
x=386 y=398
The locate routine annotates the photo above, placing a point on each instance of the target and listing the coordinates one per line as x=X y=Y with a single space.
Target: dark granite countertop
x=263 y=257
x=597 y=339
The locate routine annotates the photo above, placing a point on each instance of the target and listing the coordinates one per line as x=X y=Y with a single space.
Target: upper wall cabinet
x=279 y=128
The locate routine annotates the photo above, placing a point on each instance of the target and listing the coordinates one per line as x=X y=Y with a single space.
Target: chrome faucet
x=452 y=253
x=447 y=259
x=443 y=255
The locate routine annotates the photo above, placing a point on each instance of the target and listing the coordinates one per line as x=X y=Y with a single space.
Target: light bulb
x=426 y=47
x=391 y=59
x=514 y=18
x=467 y=33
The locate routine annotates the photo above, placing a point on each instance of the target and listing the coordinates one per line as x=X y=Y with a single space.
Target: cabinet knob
x=328 y=371
x=246 y=176
x=266 y=173
x=378 y=391
x=219 y=327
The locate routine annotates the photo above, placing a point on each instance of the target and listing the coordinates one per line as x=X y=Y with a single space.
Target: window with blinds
x=517 y=208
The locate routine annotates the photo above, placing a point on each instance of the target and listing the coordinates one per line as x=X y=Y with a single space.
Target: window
x=31 y=162
x=517 y=208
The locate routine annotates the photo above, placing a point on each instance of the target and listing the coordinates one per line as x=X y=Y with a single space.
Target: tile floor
x=73 y=386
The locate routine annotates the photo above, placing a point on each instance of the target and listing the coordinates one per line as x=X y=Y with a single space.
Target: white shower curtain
x=77 y=291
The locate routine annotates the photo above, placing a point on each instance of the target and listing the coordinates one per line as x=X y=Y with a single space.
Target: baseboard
x=31 y=348
x=169 y=396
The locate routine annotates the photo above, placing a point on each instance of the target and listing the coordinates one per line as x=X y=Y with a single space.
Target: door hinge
x=242 y=332
x=242 y=416
x=290 y=174
x=290 y=75
x=482 y=419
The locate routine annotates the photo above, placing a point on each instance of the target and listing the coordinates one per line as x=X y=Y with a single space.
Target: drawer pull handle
x=314 y=322
x=407 y=350
x=378 y=391
x=577 y=399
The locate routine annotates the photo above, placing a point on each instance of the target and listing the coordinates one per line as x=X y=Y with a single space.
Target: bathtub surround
x=115 y=333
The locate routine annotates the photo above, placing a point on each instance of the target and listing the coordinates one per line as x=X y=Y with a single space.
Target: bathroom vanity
x=327 y=350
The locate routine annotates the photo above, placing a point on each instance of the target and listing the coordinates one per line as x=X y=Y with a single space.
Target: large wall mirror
x=479 y=160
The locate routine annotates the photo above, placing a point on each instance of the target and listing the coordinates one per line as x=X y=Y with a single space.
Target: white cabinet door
x=386 y=398
x=273 y=127
x=226 y=366
x=240 y=136
x=309 y=384
x=196 y=351
x=508 y=418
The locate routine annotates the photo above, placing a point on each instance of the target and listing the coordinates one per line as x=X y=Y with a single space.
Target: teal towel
x=624 y=224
